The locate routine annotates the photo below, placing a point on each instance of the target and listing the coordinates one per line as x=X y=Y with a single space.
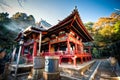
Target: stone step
x=75 y=73
x=105 y=72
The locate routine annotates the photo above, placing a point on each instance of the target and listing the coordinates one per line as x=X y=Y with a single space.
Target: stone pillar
x=70 y=60
x=1 y=77
x=38 y=67
x=6 y=71
x=74 y=61
x=37 y=74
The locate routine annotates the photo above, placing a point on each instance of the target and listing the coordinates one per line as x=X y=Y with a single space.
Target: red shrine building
x=64 y=40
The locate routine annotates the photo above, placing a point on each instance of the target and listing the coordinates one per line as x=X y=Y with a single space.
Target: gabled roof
x=28 y=31
x=43 y=25
x=74 y=22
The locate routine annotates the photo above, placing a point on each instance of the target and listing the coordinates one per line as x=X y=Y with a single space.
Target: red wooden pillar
x=81 y=59
x=58 y=47
x=90 y=57
x=82 y=49
x=35 y=48
x=23 y=48
x=60 y=60
x=86 y=59
x=49 y=46
x=89 y=49
x=68 y=45
x=76 y=50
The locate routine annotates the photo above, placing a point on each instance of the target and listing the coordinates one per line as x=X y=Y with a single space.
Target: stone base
x=1 y=77
x=6 y=71
x=37 y=74
x=51 y=76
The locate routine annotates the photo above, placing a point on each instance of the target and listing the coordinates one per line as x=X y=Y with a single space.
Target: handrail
x=59 y=53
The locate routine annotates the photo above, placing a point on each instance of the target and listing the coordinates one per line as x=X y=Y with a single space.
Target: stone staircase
x=81 y=72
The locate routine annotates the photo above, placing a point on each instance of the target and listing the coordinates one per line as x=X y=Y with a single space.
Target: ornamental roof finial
x=75 y=7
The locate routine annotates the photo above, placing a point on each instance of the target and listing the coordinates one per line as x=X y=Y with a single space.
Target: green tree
x=106 y=29
x=95 y=53
x=117 y=30
x=89 y=26
x=4 y=19
x=23 y=20
x=6 y=36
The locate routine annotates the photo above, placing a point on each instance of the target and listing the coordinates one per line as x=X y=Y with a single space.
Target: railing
x=65 y=53
x=83 y=53
x=58 y=53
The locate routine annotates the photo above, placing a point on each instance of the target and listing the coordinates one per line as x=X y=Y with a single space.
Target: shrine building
x=64 y=40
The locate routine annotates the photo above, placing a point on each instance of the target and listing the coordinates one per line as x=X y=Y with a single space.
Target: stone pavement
x=117 y=70
x=105 y=71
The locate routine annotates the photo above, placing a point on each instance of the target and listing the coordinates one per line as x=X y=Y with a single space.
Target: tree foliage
x=22 y=20
x=95 y=53
x=106 y=30
x=117 y=30
x=9 y=27
x=89 y=25
x=4 y=19
x=23 y=17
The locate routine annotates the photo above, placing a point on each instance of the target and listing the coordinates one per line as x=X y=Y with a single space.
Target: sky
x=54 y=10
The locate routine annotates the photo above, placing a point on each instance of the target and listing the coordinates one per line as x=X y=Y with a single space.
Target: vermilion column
x=68 y=45
x=23 y=48
x=35 y=48
x=89 y=49
x=76 y=50
x=81 y=60
x=49 y=46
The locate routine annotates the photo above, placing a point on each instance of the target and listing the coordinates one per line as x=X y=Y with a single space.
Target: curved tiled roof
x=73 y=21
